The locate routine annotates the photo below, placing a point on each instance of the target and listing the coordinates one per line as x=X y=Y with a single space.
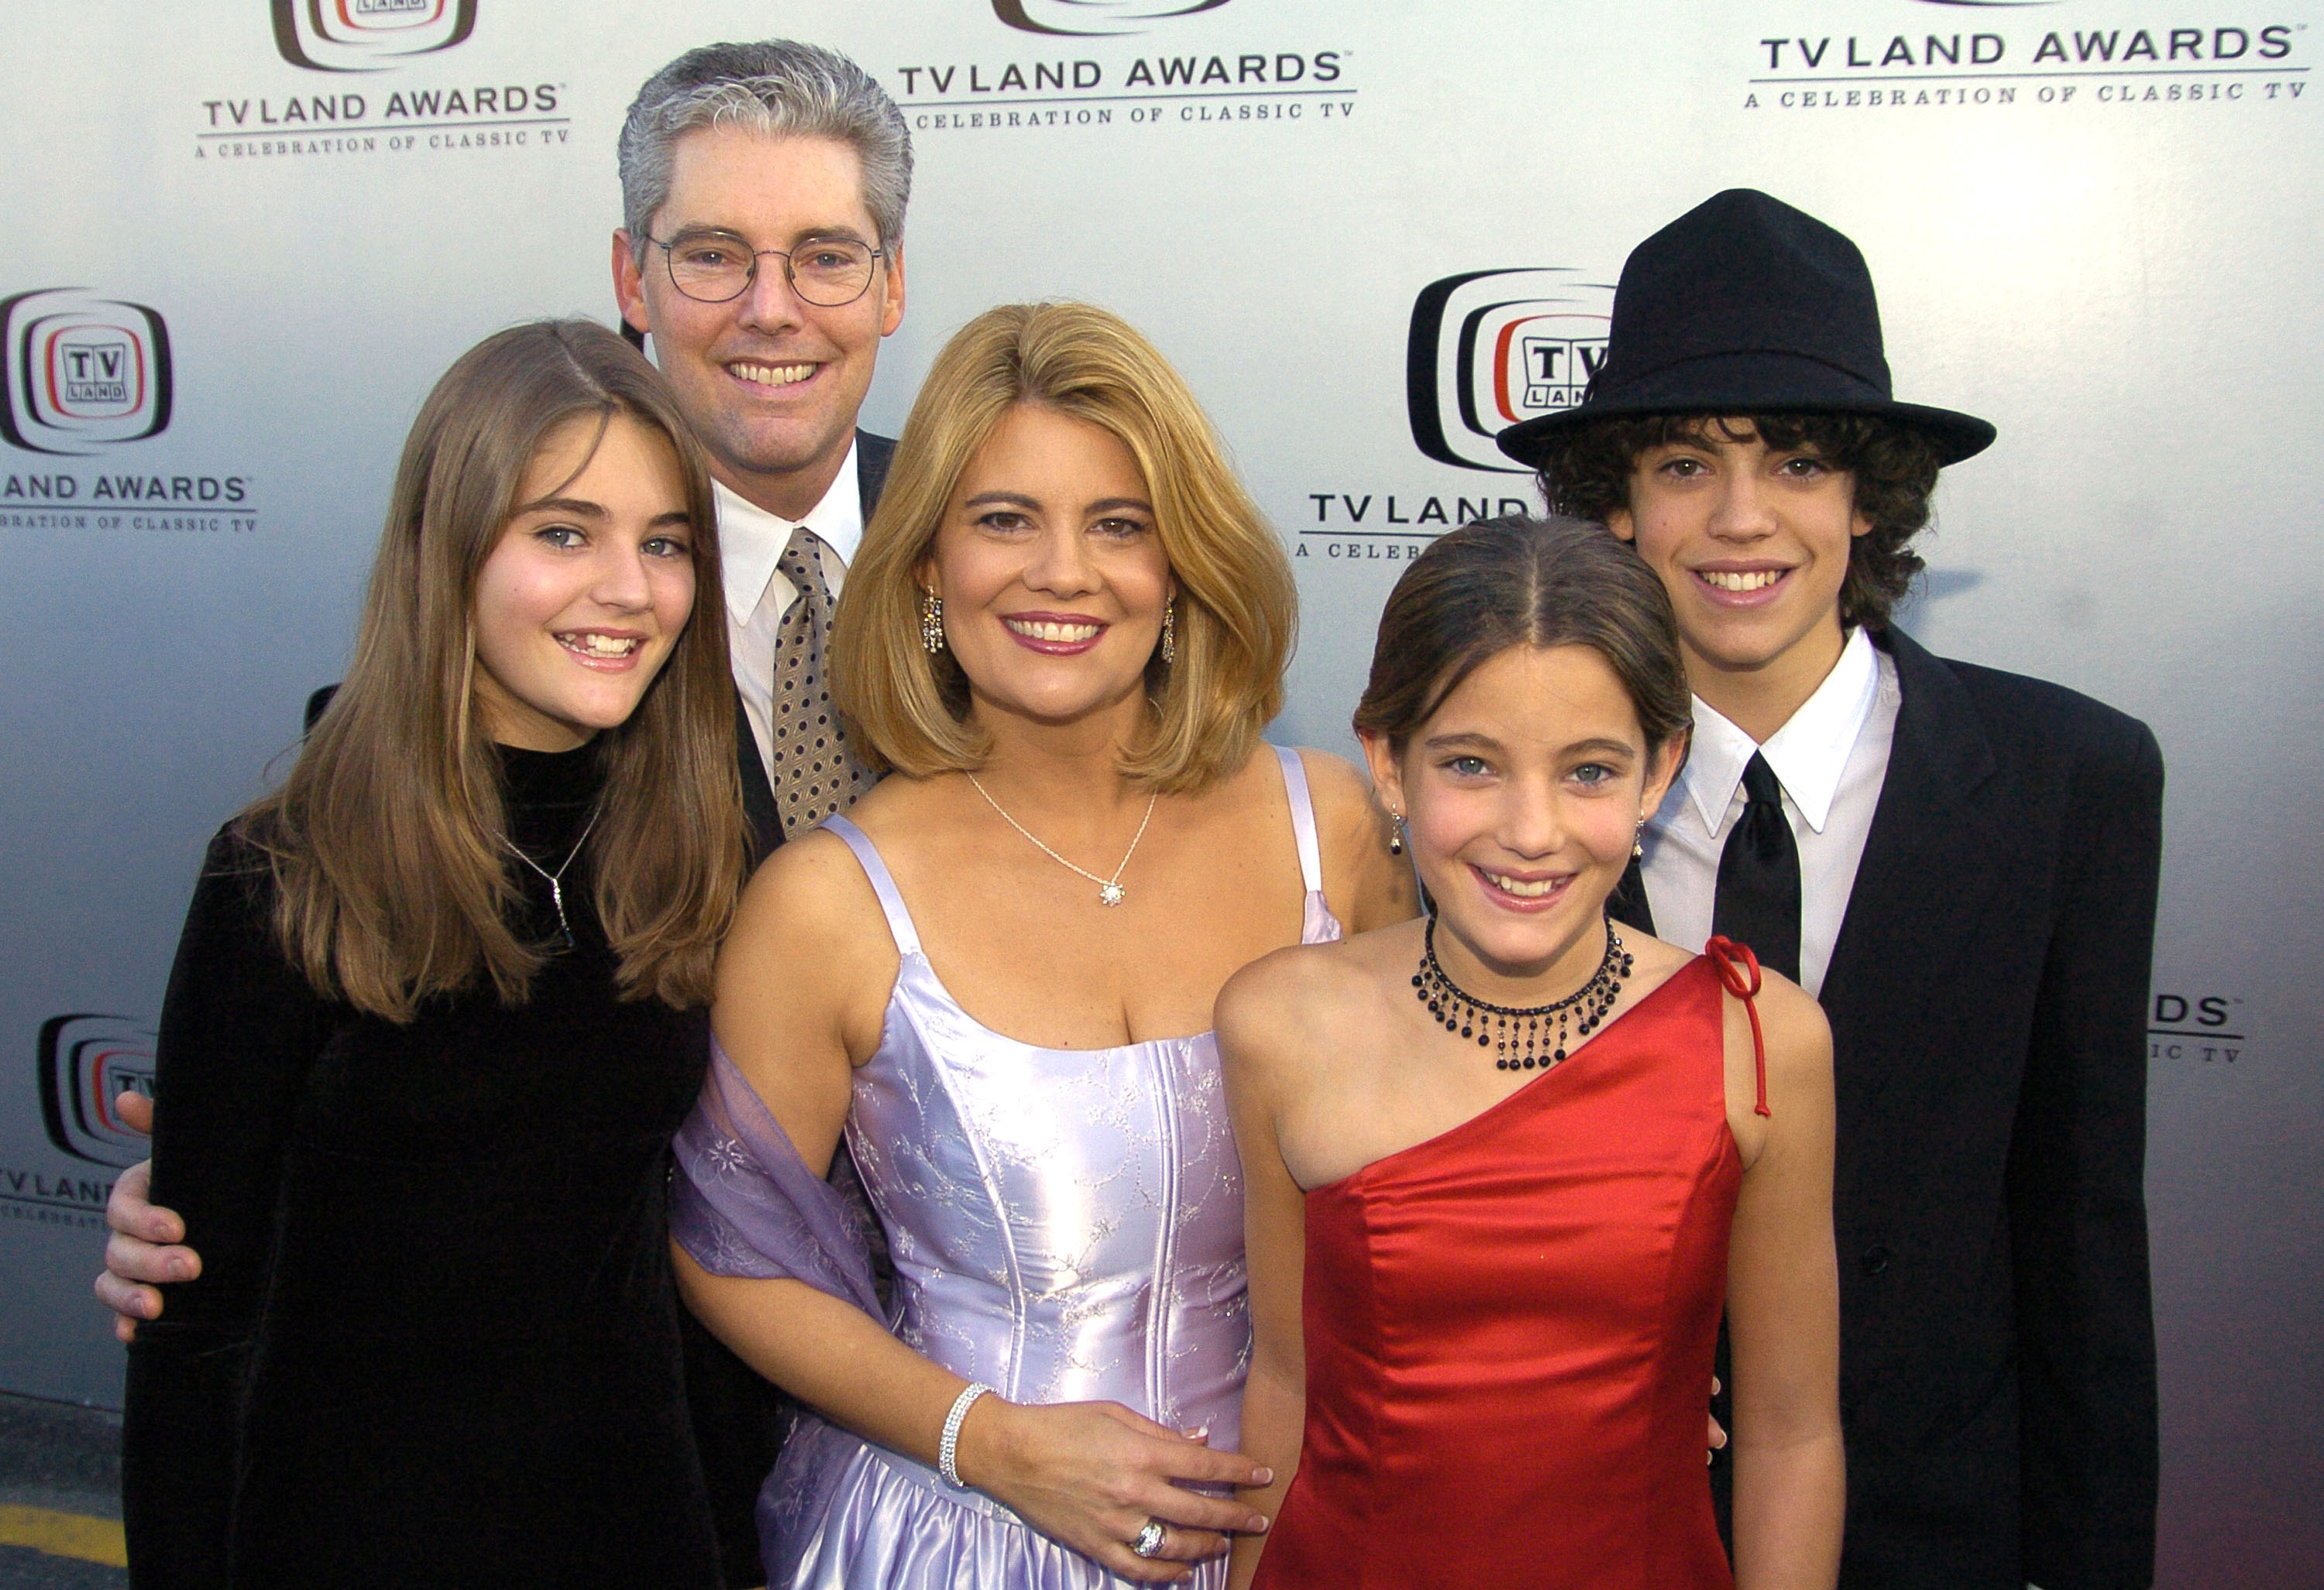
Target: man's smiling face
x=771 y=382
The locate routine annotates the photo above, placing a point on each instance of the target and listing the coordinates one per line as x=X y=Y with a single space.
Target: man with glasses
x=763 y=189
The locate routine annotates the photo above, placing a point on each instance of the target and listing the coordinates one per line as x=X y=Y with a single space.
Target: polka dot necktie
x=815 y=773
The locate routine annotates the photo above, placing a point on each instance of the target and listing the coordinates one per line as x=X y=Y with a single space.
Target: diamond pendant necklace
x=556 y=879
x=1110 y=891
x=1522 y=1032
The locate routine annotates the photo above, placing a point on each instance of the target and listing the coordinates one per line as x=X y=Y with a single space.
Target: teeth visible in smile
x=608 y=646
x=772 y=375
x=1068 y=633
x=1521 y=889
x=1758 y=579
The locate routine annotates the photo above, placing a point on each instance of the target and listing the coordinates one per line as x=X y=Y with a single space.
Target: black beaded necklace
x=1522 y=1033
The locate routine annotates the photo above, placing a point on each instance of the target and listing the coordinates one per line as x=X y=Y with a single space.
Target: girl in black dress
x=437 y=1010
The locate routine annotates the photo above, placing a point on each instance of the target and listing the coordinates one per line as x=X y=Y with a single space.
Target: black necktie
x=1758 y=898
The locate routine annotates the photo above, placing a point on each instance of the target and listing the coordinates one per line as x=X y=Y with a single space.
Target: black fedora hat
x=1745 y=304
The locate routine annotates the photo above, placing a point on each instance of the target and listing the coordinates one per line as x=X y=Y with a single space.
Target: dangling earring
x=1395 y=834
x=931 y=635
x=1170 y=631
x=1638 y=840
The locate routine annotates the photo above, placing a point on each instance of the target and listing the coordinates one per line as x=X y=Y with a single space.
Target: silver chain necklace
x=1109 y=889
x=556 y=879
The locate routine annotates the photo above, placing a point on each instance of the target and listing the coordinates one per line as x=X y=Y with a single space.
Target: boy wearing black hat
x=1962 y=864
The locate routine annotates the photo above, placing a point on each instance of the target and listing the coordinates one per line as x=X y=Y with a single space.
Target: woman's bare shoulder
x=1343 y=797
x=898 y=793
x=917 y=823
x=808 y=942
x=1335 y=782
x=1791 y=1031
x=1368 y=884
x=811 y=885
x=1798 y=1036
x=1293 y=1000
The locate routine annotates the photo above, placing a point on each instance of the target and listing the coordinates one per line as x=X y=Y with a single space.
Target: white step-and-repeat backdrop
x=244 y=237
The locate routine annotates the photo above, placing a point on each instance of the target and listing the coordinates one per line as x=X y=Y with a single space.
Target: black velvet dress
x=435 y=1341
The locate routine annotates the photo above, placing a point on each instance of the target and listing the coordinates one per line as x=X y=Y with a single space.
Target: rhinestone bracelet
x=949 y=1448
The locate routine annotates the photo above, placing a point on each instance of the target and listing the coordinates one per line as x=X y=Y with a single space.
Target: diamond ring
x=1149 y=1538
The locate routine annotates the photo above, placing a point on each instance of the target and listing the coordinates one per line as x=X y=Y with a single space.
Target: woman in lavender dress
x=1064 y=631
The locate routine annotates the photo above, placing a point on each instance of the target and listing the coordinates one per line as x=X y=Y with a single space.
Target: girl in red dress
x=1505 y=1164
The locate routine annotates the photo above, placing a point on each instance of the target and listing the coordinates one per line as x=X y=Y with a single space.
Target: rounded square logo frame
x=85 y=1059
x=1489 y=348
x=83 y=371
x=368 y=36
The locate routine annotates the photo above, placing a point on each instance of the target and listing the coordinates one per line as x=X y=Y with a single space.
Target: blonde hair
x=1237 y=609
x=391 y=880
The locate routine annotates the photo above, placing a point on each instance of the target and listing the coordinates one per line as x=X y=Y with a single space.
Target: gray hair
x=778 y=88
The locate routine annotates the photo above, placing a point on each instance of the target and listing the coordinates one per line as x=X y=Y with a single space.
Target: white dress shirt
x=1831 y=758
x=758 y=594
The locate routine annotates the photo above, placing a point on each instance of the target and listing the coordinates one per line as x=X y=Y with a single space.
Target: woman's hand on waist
x=1092 y=1474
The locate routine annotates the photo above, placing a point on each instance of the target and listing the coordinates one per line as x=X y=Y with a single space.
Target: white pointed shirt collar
x=750 y=539
x=1808 y=754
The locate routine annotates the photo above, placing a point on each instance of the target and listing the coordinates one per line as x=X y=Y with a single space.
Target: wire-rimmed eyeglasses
x=713 y=267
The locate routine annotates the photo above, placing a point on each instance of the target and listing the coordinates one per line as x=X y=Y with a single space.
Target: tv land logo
x=1489 y=348
x=368 y=36
x=1092 y=19
x=83 y=370
x=85 y=1059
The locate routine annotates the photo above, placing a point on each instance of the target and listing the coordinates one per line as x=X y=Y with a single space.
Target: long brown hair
x=391 y=880
x=1237 y=610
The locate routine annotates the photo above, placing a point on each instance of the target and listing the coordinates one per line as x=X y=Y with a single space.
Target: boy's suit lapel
x=1930 y=864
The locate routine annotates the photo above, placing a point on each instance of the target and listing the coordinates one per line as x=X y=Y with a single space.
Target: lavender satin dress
x=1066 y=1225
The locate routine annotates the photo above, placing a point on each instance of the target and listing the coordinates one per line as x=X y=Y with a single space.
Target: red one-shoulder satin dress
x=1509 y=1329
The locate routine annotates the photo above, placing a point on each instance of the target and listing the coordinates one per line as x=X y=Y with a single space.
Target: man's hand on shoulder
x=144 y=1250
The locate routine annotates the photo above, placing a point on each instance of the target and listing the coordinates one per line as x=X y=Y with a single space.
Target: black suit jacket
x=1988 y=997
x=739 y=1419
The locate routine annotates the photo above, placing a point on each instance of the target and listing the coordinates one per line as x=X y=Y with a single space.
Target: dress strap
x=1738 y=974
x=883 y=883
x=1302 y=818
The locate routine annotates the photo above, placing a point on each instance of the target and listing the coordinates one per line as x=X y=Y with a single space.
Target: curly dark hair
x=1586 y=472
